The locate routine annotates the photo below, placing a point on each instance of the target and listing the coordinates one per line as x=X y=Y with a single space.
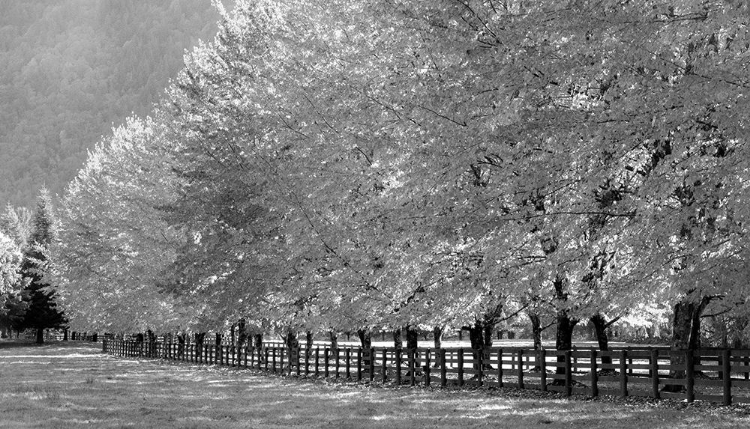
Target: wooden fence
x=712 y=375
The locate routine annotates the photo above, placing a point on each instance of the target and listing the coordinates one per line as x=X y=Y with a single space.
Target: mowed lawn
x=71 y=385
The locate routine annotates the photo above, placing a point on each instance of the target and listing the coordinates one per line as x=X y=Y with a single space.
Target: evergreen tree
x=39 y=296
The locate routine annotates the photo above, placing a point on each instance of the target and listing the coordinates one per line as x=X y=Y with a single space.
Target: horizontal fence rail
x=721 y=376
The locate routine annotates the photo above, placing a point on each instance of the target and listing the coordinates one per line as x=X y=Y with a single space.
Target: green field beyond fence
x=721 y=376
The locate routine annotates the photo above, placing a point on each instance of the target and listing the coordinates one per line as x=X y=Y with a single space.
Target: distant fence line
x=721 y=376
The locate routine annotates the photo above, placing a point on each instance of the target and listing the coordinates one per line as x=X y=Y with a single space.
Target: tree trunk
x=292 y=343
x=536 y=330
x=40 y=336
x=334 y=340
x=397 y=339
x=65 y=335
x=232 y=334
x=365 y=338
x=218 y=339
x=437 y=338
x=600 y=330
x=536 y=333
x=488 y=328
x=412 y=338
x=241 y=333
x=476 y=337
x=308 y=340
x=200 y=337
x=181 y=344
x=564 y=338
x=685 y=336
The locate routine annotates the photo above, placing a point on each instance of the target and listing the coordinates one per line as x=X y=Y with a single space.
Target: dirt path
x=73 y=385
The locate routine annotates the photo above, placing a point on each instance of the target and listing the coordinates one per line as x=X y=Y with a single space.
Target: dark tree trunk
x=536 y=330
x=292 y=343
x=536 y=333
x=259 y=343
x=308 y=340
x=218 y=339
x=40 y=336
x=488 y=334
x=412 y=338
x=564 y=340
x=181 y=344
x=365 y=338
x=437 y=336
x=397 y=343
x=200 y=337
x=65 y=335
x=600 y=329
x=334 y=337
x=685 y=336
x=232 y=334
x=476 y=335
x=241 y=333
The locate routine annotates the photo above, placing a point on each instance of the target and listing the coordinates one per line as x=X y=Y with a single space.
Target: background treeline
x=71 y=69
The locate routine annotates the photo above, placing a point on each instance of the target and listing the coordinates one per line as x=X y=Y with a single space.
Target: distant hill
x=71 y=69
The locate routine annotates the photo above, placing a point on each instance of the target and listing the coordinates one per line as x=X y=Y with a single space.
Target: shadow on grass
x=8 y=343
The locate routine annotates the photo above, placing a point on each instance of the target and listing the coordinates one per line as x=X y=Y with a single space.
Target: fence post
x=594 y=375
x=690 y=376
x=273 y=362
x=443 y=370
x=480 y=365
x=307 y=361
x=500 y=367
x=655 y=373
x=398 y=366
x=372 y=365
x=460 y=367
x=385 y=369
x=412 y=376
x=520 y=368
x=726 y=369
x=359 y=364
x=624 y=373
x=427 y=356
x=543 y=369
x=317 y=361
x=265 y=358
x=281 y=360
x=337 y=360
x=326 y=356
x=568 y=375
x=348 y=363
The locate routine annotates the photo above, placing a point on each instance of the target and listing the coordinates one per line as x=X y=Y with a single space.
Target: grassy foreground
x=71 y=385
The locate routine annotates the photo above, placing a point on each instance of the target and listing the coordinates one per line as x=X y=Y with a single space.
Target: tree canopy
x=344 y=165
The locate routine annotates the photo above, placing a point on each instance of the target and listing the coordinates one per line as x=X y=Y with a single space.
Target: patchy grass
x=70 y=385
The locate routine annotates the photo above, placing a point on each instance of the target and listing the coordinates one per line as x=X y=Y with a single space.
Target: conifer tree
x=42 y=312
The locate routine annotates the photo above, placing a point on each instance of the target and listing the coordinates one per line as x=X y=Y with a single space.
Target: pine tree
x=42 y=312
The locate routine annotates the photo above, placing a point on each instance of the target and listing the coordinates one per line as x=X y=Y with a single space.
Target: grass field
x=71 y=385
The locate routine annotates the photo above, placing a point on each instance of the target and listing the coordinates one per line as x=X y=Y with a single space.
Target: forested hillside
x=71 y=69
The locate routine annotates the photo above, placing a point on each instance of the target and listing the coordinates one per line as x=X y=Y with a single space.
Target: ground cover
x=70 y=385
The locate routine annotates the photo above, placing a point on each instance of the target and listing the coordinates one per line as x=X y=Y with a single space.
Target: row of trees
x=27 y=299
x=351 y=165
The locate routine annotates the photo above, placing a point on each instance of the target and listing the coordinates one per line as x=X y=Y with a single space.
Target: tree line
x=347 y=166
